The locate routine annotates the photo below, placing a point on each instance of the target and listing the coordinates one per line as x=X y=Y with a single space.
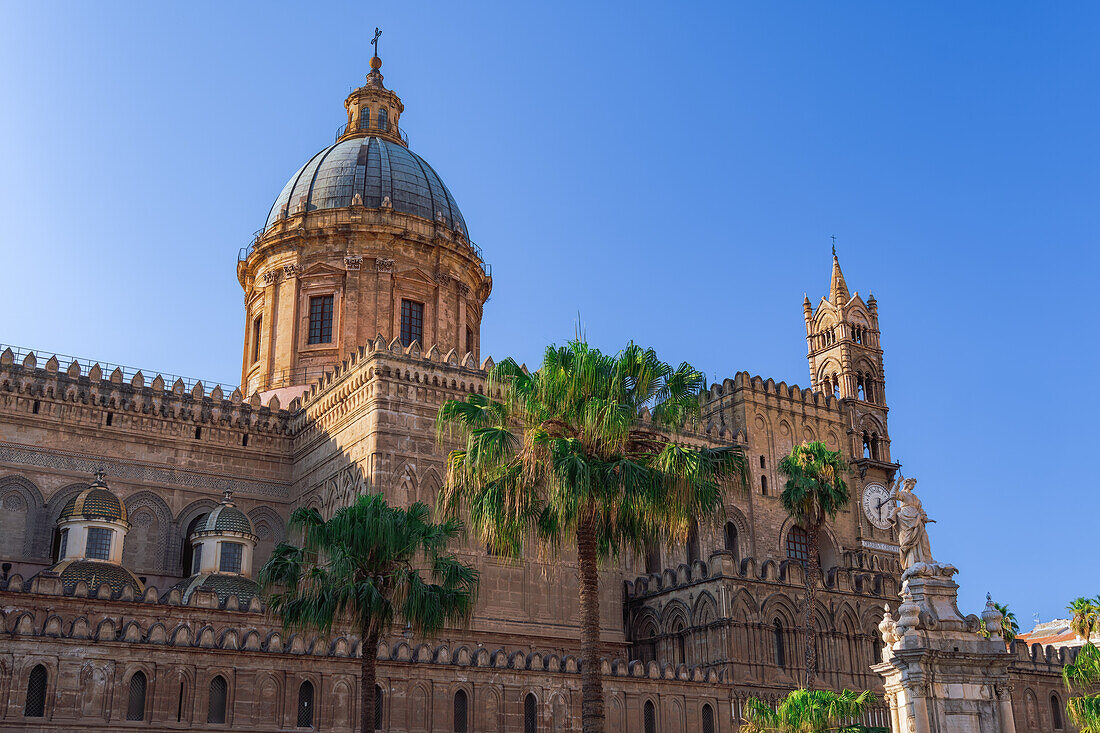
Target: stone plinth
x=941 y=676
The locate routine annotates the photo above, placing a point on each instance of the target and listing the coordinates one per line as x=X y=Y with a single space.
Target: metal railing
x=128 y=372
x=389 y=129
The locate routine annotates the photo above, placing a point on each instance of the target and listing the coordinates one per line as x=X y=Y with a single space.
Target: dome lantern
x=374 y=110
x=224 y=541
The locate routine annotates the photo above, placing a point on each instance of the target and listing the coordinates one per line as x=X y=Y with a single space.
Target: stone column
x=918 y=694
x=1004 y=702
x=895 y=720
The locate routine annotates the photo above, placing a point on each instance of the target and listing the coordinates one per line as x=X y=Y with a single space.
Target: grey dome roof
x=374 y=168
x=224 y=585
x=225 y=518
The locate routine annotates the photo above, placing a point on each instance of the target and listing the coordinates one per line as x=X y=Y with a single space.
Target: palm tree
x=569 y=452
x=361 y=567
x=807 y=711
x=815 y=491
x=1084 y=672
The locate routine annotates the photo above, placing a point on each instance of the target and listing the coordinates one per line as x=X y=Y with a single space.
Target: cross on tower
x=834 y=245
x=374 y=41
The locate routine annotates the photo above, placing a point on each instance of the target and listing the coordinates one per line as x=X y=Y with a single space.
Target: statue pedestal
x=940 y=675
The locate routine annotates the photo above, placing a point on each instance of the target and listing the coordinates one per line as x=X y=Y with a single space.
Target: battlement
x=769 y=387
x=723 y=565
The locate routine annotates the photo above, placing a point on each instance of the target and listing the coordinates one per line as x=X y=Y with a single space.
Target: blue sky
x=670 y=172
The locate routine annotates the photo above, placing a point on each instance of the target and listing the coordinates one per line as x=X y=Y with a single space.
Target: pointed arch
x=21 y=508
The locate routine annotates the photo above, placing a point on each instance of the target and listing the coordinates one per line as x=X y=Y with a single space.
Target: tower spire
x=838 y=289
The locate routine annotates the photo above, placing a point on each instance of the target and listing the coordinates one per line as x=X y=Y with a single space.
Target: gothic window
x=1056 y=711
x=681 y=645
x=530 y=714
x=460 y=711
x=35 y=705
x=135 y=705
x=798 y=545
x=64 y=544
x=866 y=446
x=231 y=555
x=649 y=716
x=320 y=319
x=693 y=543
x=731 y=539
x=874 y=446
x=412 y=322
x=378 y=700
x=305 y=705
x=762 y=463
x=215 y=707
x=364 y=118
x=99 y=544
x=383 y=120
x=708 y=718
x=764 y=485
x=256 y=324
x=780 y=652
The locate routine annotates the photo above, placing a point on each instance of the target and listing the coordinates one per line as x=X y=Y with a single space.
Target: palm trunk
x=367 y=678
x=592 y=714
x=812 y=577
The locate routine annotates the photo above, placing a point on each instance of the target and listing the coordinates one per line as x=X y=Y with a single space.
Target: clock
x=876 y=505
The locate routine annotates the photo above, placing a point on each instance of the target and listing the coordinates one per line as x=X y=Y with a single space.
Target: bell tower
x=845 y=356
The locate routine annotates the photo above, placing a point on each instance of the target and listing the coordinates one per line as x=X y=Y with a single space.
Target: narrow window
x=305 y=705
x=99 y=544
x=135 y=706
x=762 y=464
x=780 y=652
x=320 y=319
x=230 y=561
x=460 y=711
x=110 y=418
x=35 y=705
x=179 y=704
x=530 y=714
x=383 y=120
x=198 y=433
x=412 y=322
x=64 y=545
x=681 y=647
x=256 y=324
x=764 y=485
x=1056 y=711
x=731 y=539
x=215 y=708
x=34 y=408
x=649 y=714
x=364 y=118
x=244 y=440
x=378 y=699
x=196 y=559
x=798 y=545
x=469 y=339
x=693 y=543
x=187 y=552
x=708 y=718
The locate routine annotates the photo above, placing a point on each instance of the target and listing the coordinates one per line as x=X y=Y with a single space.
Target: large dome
x=375 y=169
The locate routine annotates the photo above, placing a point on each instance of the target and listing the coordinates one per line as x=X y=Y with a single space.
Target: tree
x=363 y=567
x=808 y=711
x=569 y=452
x=815 y=491
x=1083 y=674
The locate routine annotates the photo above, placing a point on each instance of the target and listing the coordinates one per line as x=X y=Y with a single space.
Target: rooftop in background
x=1055 y=633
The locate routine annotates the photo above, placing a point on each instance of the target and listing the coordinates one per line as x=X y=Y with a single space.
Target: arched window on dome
x=383 y=120
x=231 y=554
x=62 y=545
x=364 y=118
x=190 y=556
x=99 y=543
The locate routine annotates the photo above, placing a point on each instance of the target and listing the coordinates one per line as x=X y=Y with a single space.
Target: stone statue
x=909 y=517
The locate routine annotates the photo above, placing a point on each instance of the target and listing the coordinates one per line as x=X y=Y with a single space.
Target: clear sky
x=671 y=172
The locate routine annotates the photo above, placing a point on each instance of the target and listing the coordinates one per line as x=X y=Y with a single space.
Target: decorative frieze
x=352 y=263
x=383 y=264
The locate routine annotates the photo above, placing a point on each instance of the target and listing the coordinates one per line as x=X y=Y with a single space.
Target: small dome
x=94 y=502
x=94 y=573
x=375 y=169
x=224 y=585
x=226 y=518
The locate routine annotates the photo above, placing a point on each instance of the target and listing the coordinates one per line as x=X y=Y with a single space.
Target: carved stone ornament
x=271 y=276
x=383 y=265
x=357 y=200
x=290 y=270
x=386 y=203
x=441 y=277
x=992 y=617
x=889 y=629
x=352 y=262
x=463 y=289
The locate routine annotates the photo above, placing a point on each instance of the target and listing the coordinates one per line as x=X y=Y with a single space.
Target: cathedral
x=138 y=507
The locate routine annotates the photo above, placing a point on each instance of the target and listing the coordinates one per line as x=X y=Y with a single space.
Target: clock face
x=876 y=505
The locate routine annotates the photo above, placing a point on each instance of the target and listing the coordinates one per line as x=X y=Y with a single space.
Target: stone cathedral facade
x=136 y=508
